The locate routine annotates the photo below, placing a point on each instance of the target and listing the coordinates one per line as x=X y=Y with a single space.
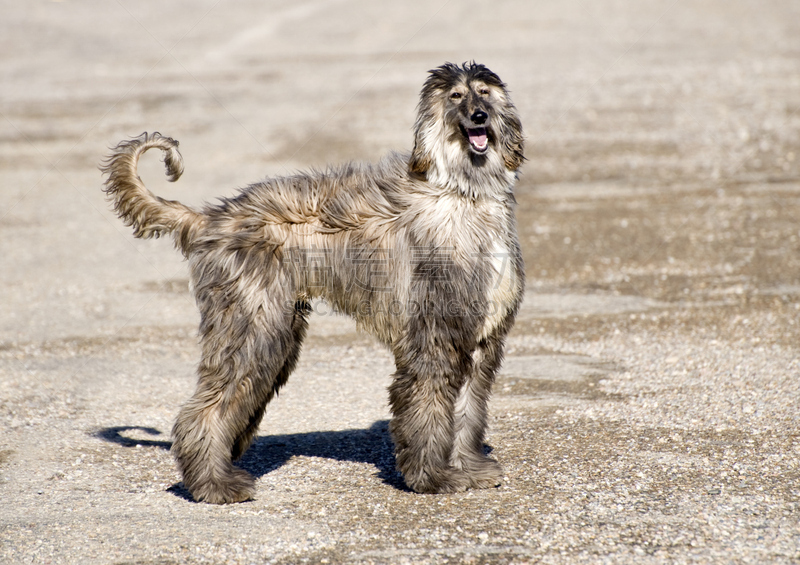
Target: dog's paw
x=439 y=481
x=483 y=472
x=237 y=486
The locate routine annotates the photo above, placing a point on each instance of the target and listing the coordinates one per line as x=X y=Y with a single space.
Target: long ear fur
x=512 y=139
x=439 y=80
x=420 y=162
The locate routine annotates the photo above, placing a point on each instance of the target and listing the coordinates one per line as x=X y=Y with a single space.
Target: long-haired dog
x=420 y=249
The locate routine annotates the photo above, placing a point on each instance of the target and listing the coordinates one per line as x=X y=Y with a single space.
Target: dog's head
x=465 y=116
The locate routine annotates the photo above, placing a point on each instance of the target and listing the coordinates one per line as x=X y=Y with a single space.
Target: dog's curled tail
x=148 y=214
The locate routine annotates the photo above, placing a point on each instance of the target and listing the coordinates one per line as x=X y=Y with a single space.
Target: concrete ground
x=648 y=408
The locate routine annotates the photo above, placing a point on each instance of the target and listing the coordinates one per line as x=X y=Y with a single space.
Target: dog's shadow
x=268 y=453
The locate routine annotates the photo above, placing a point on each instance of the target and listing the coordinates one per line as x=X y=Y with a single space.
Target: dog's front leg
x=422 y=430
x=470 y=417
x=433 y=358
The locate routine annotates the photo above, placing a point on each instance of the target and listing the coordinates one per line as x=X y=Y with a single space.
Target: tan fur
x=420 y=249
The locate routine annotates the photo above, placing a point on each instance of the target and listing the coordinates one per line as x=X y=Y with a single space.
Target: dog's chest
x=477 y=236
x=464 y=227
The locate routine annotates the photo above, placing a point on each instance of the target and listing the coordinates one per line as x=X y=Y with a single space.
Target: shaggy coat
x=420 y=249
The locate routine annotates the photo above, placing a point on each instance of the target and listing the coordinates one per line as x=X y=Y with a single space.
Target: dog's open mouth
x=478 y=139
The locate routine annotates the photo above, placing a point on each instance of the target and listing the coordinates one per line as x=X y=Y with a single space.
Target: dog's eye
x=455 y=96
x=483 y=91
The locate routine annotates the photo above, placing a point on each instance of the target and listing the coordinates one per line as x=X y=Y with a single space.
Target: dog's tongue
x=477 y=137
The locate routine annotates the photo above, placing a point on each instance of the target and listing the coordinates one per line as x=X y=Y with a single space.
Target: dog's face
x=465 y=108
x=469 y=110
x=470 y=104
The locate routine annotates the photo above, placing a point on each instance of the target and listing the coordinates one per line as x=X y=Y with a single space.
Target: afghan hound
x=421 y=249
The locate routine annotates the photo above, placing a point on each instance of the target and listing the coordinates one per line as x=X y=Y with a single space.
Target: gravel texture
x=648 y=410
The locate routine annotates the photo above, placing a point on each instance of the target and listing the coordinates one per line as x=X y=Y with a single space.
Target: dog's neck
x=471 y=176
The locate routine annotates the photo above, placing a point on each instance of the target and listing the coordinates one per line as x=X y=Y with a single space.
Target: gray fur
x=420 y=249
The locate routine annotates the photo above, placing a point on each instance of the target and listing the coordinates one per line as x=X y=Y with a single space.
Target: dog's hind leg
x=471 y=415
x=249 y=343
x=299 y=327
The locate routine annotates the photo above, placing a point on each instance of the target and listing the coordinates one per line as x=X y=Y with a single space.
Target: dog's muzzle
x=477 y=136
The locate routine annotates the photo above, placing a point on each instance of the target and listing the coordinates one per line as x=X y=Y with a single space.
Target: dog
x=421 y=249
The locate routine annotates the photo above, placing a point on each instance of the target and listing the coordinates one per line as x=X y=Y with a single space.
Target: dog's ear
x=512 y=140
x=420 y=162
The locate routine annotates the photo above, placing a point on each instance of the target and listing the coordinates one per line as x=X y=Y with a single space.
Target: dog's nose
x=479 y=117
